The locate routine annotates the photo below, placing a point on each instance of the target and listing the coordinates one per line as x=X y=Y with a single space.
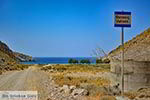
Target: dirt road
x=30 y=79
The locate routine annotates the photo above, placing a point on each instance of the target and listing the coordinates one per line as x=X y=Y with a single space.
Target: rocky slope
x=22 y=57
x=137 y=49
x=7 y=55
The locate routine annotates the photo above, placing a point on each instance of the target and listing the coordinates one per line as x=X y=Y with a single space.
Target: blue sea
x=57 y=60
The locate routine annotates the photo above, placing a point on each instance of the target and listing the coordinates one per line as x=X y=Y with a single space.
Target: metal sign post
x=122 y=61
x=122 y=19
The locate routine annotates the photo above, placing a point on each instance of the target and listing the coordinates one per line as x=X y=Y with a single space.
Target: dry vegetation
x=136 y=48
x=131 y=95
x=62 y=80
x=139 y=39
x=11 y=66
x=100 y=96
x=59 y=73
x=93 y=84
x=85 y=76
x=78 y=68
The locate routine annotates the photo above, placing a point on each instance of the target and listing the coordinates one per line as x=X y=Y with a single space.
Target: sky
x=68 y=28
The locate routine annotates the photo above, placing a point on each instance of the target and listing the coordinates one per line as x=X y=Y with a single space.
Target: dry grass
x=66 y=80
x=12 y=66
x=100 y=97
x=79 y=68
x=144 y=37
x=63 y=75
x=21 y=66
x=60 y=72
x=131 y=95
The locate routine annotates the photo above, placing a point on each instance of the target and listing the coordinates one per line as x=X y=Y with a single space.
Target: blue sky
x=72 y=28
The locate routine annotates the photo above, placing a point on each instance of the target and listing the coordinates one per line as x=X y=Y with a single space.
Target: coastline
x=57 y=60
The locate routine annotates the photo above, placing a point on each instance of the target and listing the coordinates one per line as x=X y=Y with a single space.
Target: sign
x=18 y=95
x=122 y=19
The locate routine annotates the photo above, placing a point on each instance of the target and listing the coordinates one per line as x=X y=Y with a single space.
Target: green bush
x=85 y=61
x=73 y=61
x=98 y=61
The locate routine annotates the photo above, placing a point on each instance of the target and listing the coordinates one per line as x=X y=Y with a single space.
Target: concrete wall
x=136 y=74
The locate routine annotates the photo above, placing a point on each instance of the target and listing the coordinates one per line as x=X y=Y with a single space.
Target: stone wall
x=136 y=74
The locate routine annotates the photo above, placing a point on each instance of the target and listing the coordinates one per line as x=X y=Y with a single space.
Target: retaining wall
x=136 y=74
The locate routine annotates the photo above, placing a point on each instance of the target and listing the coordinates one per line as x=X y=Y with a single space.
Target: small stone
x=72 y=87
x=80 y=92
x=66 y=89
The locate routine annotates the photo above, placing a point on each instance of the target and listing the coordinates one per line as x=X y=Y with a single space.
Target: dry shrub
x=107 y=98
x=0 y=72
x=79 y=68
x=96 y=97
x=100 y=97
x=61 y=80
x=130 y=95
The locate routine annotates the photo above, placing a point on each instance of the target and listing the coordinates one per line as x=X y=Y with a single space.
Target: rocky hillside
x=7 y=55
x=137 y=49
x=22 y=57
x=6 y=52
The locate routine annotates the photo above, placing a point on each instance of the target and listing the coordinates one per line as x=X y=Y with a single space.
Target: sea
x=57 y=60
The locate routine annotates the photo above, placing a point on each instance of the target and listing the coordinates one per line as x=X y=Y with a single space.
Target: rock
x=93 y=89
x=80 y=92
x=22 y=57
x=2 y=60
x=113 y=90
x=66 y=89
x=72 y=87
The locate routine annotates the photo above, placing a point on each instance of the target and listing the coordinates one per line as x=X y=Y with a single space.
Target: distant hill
x=137 y=49
x=22 y=57
x=7 y=55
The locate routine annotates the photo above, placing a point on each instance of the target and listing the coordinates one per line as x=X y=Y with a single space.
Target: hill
x=137 y=49
x=7 y=55
x=22 y=57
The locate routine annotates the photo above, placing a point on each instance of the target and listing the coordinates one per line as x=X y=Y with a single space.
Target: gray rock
x=66 y=89
x=80 y=92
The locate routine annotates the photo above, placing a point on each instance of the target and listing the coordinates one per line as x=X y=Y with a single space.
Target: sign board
x=122 y=19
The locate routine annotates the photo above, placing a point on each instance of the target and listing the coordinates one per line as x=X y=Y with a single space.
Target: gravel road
x=30 y=79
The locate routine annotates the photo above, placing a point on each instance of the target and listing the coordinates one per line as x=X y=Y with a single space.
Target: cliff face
x=22 y=57
x=7 y=55
x=5 y=50
x=137 y=49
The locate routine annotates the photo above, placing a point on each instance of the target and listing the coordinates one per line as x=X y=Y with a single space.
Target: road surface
x=31 y=79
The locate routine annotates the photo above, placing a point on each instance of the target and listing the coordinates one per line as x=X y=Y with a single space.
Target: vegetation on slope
x=137 y=48
x=10 y=60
